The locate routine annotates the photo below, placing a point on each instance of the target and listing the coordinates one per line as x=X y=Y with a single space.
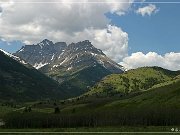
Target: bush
x=56 y=110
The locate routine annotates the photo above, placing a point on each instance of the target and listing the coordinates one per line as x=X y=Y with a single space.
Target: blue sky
x=12 y=46
x=159 y=32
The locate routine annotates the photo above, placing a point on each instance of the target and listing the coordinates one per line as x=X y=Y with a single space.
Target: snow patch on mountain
x=53 y=57
x=40 y=65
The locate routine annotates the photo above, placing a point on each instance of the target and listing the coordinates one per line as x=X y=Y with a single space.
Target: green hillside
x=21 y=83
x=132 y=81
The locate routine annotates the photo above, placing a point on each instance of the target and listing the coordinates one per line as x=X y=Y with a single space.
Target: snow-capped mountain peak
x=59 y=56
x=45 y=42
x=42 y=53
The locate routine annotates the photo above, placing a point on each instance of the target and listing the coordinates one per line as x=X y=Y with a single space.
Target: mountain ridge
x=35 y=54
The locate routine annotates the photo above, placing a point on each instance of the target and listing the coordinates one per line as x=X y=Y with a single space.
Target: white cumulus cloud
x=147 y=10
x=169 y=61
x=112 y=40
x=67 y=20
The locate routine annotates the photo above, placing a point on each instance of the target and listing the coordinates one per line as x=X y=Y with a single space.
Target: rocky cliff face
x=41 y=54
x=80 y=55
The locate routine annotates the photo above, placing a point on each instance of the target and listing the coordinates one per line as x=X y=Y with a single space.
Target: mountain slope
x=18 y=82
x=132 y=81
x=16 y=58
x=167 y=93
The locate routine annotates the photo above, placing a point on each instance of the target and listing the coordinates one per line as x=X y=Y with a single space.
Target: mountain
x=132 y=81
x=77 y=57
x=41 y=54
x=50 y=57
x=80 y=55
x=24 y=83
x=77 y=66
